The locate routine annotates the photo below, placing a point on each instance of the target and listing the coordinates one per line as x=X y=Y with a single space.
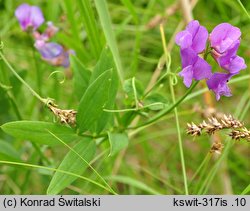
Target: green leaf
x=90 y=26
x=118 y=141
x=37 y=132
x=246 y=190
x=7 y=152
x=99 y=95
x=105 y=62
x=106 y=23
x=134 y=183
x=81 y=76
x=73 y=163
x=156 y=102
x=129 y=90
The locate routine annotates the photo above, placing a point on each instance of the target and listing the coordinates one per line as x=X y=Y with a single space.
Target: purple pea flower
x=53 y=53
x=224 y=41
x=29 y=17
x=223 y=37
x=218 y=83
x=194 y=37
x=229 y=60
x=193 y=67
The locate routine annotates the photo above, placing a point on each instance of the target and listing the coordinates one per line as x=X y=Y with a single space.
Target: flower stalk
x=168 y=58
x=65 y=116
x=43 y=100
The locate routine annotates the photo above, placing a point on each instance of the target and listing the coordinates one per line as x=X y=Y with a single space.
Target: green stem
x=179 y=139
x=43 y=100
x=207 y=158
x=243 y=8
x=38 y=77
x=167 y=110
x=87 y=163
x=15 y=106
x=168 y=58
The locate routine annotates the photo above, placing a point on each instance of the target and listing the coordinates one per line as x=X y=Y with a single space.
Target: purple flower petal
x=187 y=74
x=188 y=57
x=218 y=83
x=200 y=39
x=65 y=59
x=183 y=39
x=36 y=17
x=50 y=50
x=201 y=69
x=193 y=67
x=53 y=53
x=224 y=59
x=237 y=64
x=224 y=36
x=230 y=61
x=29 y=16
x=22 y=14
x=194 y=36
x=193 y=27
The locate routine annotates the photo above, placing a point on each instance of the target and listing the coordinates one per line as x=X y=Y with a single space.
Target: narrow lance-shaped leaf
x=37 y=132
x=106 y=23
x=106 y=62
x=97 y=97
x=89 y=22
x=132 y=182
x=81 y=76
x=73 y=163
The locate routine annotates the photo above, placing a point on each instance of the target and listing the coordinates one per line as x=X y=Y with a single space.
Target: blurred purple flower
x=193 y=67
x=194 y=37
x=53 y=53
x=224 y=36
x=218 y=83
x=29 y=17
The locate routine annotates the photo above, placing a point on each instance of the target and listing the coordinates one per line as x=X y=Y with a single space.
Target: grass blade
x=246 y=190
x=135 y=183
x=106 y=23
x=53 y=169
x=90 y=25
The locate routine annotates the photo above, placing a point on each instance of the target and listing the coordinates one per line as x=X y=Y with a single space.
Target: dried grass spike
x=240 y=134
x=65 y=116
x=193 y=129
